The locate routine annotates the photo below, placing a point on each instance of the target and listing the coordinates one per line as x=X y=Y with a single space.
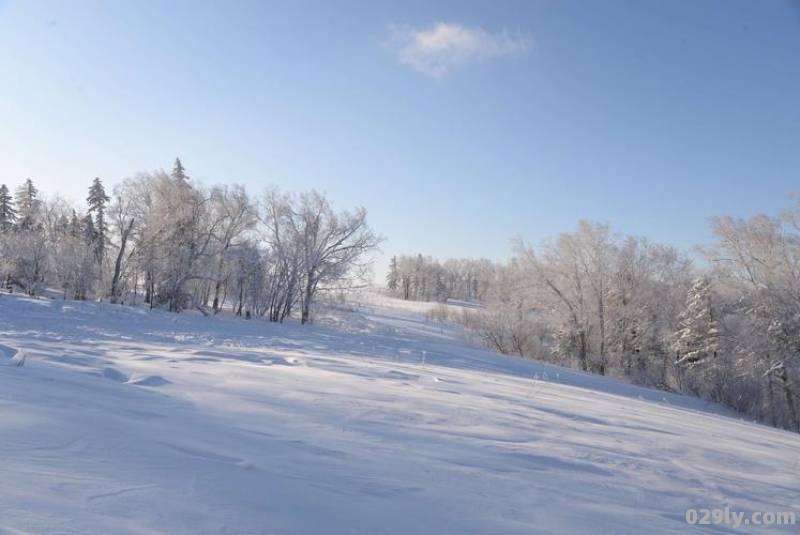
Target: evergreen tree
x=8 y=214
x=97 y=201
x=28 y=205
x=698 y=338
x=89 y=231
x=75 y=226
x=179 y=172
x=441 y=288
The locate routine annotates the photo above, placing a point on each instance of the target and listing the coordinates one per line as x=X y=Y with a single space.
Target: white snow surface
x=373 y=421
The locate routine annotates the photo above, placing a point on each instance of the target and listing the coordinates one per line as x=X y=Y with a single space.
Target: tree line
x=421 y=278
x=173 y=243
x=726 y=330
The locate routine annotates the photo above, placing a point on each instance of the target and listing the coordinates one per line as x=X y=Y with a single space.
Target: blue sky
x=457 y=124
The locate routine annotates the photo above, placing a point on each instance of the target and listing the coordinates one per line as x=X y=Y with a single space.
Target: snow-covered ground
x=373 y=421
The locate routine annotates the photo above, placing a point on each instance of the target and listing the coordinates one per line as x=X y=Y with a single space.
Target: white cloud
x=439 y=50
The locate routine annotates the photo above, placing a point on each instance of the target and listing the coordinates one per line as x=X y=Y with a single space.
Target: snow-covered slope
x=129 y=421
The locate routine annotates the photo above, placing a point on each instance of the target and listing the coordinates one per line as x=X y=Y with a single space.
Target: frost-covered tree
x=420 y=278
x=704 y=366
x=28 y=244
x=123 y=219
x=74 y=266
x=168 y=221
x=246 y=273
x=28 y=206
x=8 y=219
x=89 y=230
x=611 y=301
x=441 y=293
x=179 y=173
x=69 y=253
x=140 y=199
x=423 y=278
x=698 y=337
x=393 y=277
x=75 y=227
x=647 y=293
x=324 y=246
x=759 y=260
x=180 y=245
x=29 y=260
x=406 y=268
x=282 y=259
x=8 y=214
x=571 y=277
x=333 y=245
x=97 y=202
x=511 y=324
x=233 y=215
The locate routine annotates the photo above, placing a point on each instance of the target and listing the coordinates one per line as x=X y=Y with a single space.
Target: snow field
x=374 y=421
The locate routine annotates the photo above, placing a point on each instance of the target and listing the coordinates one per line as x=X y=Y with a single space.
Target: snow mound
x=402 y=376
x=11 y=356
x=136 y=379
x=7 y=352
x=281 y=361
x=115 y=375
x=148 y=380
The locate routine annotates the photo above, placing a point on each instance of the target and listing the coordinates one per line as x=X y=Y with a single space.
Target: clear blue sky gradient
x=649 y=115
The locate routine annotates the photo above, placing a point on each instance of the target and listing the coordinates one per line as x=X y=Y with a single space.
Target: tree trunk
x=308 y=293
x=788 y=397
x=583 y=352
x=601 y=316
x=118 y=263
x=217 y=290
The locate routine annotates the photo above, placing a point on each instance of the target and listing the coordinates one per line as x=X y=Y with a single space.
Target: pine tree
x=89 y=232
x=179 y=172
x=8 y=214
x=97 y=200
x=698 y=338
x=441 y=288
x=75 y=226
x=28 y=205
